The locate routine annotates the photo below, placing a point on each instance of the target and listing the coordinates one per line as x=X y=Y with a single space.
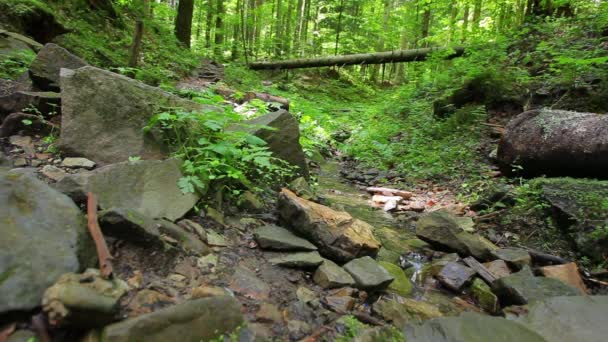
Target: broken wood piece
x=384 y=199
x=105 y=263
x=267 y=98
x=393 y=192
x=546 y=259
x=481 y=270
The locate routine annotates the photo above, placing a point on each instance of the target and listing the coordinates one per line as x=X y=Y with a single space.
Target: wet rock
x=44 y=70
x=44 y=101
x=284 y=141
x=112 y=110
x=278 y=238
x=216 y=215
x=484 y=296
x=455 y=276
x=471 y=327
x=443 y=230
x=299 y=260
x=567 y=273
x=192 y=321
x=402 y=285
x=44 y=235
x=400 y=242
x=330 y=275
x=516 y=257
x=339 y=304
x=53 y=172
x=19 y=162
x=146 y=301
x=498 y=268
x=580 y=318
x=269 y=313
x=147 y=186
x=556 y=143
x=407 y=311
x=83 y=300
x=246 y=283
x=301 y=188
x=337 y=234
x=522 y=287
x=77 y=163
x=368 y=275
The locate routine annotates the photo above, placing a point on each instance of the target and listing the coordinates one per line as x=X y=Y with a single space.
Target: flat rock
x=53 y=172
x=44 y=235
x=246 y=283
x=336 y=233
x=567 y=273
x=192 y=321
x=498 y=268
x=44 y=70
x=278 y=238
x=455 y=276
x=111 y=110
x=443 y=230
x=523 y=287
x=77 y=163
x=407 y=311
x=330 y=275
x=339 y=304
x=368 y=274
x=269 y=313
x=484 y=296
x=402 y=285
x=516 y=257
x=299 y=260
x=146 y=186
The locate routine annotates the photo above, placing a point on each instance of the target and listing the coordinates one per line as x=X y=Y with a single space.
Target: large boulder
x=12 y=43
x=44 y=235
x=103 y=115
x=523 y=287
x=556 y=143
x=45 y=102
x=192 y=321
x=44 y=70
x=338 y=235
x=283 y=140
x=146 y=186
x=443 y=230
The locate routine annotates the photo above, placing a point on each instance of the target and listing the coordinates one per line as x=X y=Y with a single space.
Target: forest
x=303 y=170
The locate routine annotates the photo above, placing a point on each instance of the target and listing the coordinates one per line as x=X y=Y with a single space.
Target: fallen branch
x=389 y=192
x=105 y=263
x=544 y=258
x=599 y=282
x=481 y=270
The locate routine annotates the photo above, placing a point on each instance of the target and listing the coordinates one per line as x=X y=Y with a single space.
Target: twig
x=488 y=216
x=481 y=270
x=543 y=258
x=105 y=263
x=599 y=282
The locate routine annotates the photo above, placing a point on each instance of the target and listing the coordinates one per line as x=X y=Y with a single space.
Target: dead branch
x=105 y=263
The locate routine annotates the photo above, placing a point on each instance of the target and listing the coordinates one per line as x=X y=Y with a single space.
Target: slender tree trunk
x=339 y=27
x=465 y=22
x=476 y=15
x=199 y=21
x=138 y=35
x=278 y=29
x=288 y=29
x=426 y=23
x=453 y=15
x=299 y=24
x=183 y=22
x=209 y=23
x=219 y=29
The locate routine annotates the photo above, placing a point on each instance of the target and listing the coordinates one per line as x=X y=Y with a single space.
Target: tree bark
x=137 y=36
x=364 y=58
x=183 y=21
x=219 y=28
x=476 y=15
x=465 y=22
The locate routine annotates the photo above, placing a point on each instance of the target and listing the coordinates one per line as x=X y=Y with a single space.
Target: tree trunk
x=339 y=27
x=208 y=23
x=278 y=29
x=476 y=15
x=183 y=21
x=426 y=23
x=219 y=28
x=453 y=15
x=199 y=19
x=363 y=58
x=465 y=22
x=137 y=36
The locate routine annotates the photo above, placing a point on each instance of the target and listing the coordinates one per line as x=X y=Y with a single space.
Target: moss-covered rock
x=484 y=296
x=401 y=284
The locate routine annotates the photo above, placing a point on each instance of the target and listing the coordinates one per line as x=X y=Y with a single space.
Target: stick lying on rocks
x=389 y=192
x=481 y=270
x=544 y=258
x=105 y=263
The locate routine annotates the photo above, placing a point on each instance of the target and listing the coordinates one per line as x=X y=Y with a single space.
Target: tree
x=219 y=28
x=183 y=21
x=138 y=34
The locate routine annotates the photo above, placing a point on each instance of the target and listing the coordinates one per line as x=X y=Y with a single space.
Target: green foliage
x=352 y=328
x=216 y=158
x=14 y=64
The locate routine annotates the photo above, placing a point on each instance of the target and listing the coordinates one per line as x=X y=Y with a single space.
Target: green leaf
x=26 y=122
x=253 y=140
x=213 y=125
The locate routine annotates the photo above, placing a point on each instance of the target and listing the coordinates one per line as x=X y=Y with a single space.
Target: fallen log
x=361 y=58
x=389 y=192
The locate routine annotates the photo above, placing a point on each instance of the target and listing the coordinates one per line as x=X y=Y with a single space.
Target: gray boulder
x=368 y=274
x=146 y=186
x=44 y=235
x=455 y=275
x=11 y=43
x=192 y=321
x=44 y=70
x=44 y=101
x=556 y=143
x=443 y=230
x=278 y=238
x=330 y=275
x=284 y=140
x=299 y=260
x=103 y=115
x=522 y=287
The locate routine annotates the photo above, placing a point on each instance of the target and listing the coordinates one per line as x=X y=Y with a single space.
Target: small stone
x=146 y=301
x=402 y=285
x=78 y=163
x=368 y=274
x=407 y=311
x=340 y=304
x=250 y=201
x=207 y=263
x=19 y=162
x=454 y=276
x=269 y=313
x=216 y=216
x=568 y=273
x=137 y=280
x=193 y=227
x=298 y=329
x=330 y=275
x=246 y=283
x=299 y=260
x=484 y=296
x=53 y=172
x=207 y=291
x=305 y=295
x=498 y=268
x=516 y=257
x=215 y=239
x=177 y=279
x=301 y=188
x=278 y=238
x=36 y=163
